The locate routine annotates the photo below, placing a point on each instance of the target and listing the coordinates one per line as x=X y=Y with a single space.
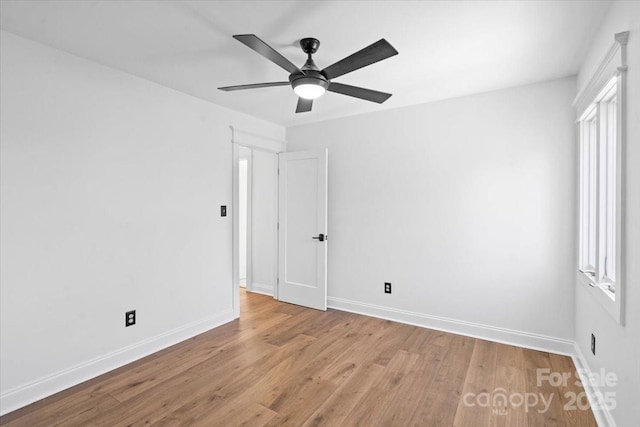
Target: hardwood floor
x=282 y=364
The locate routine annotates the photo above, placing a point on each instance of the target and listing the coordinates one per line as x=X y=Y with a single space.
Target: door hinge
x=278 y=171
x=278 y=226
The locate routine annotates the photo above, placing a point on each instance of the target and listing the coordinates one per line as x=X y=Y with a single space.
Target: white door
x=302 y=235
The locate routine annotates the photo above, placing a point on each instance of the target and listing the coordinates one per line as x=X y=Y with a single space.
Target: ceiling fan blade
x=304 y=105
x=359 y=92
x=253 y=86
x=252 y=41
x=369 y=55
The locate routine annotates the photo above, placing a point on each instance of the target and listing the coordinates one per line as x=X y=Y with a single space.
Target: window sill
x=600 y=292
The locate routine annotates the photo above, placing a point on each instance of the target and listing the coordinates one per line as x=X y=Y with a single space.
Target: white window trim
x=612 y=68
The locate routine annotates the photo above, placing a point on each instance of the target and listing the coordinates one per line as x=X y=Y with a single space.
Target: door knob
x=321 y=237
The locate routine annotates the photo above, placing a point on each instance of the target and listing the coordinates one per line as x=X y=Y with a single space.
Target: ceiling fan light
x=309 y=90
x=310 y=85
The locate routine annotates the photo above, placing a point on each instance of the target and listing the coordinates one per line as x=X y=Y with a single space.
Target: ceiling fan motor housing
x=311 y=73
x=310 y=77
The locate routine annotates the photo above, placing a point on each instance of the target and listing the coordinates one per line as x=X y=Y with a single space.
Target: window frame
x=601 y=120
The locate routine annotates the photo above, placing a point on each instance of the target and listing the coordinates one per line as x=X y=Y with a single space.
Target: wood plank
x=411 y=395
x=251 y=414
x=75 y=411
x=510 y=404
x=548 y=409
x=475 y=406
x=419 y=341
x=345 y=399
x=172 y=394
x=575 y=408
x=443 y=394
x=227 y=388
x=375 y=403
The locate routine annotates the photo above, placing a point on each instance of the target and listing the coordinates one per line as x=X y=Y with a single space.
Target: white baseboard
x=475 y=330
x=261 y=288
x=28 y=393
x=602 y=414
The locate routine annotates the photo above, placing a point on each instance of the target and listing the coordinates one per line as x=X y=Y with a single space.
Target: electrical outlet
x=593 y=344
x=130 y=318
x=387 y=287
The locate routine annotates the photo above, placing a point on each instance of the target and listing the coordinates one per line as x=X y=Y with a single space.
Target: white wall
x=465 y=205
x=618 y=347
x=111 y=190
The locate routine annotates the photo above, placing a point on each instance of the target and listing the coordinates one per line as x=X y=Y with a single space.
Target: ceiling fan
x=309 y=82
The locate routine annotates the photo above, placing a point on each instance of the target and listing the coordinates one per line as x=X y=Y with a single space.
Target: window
x=601 y=113
x=598 y=188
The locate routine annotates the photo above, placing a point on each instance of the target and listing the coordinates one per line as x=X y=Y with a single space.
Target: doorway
x=279 y=222
x=255 y=197
x=257 y=220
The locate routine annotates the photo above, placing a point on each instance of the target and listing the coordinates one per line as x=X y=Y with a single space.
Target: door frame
x=241 y=138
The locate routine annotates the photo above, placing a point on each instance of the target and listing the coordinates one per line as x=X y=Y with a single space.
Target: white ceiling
x=447 y=48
